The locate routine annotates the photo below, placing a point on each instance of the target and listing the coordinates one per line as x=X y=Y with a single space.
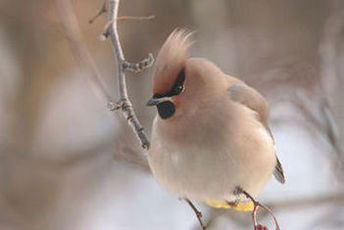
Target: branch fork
x=257 y=204
x=122 y=65
x=139 y=66
x=112 y=106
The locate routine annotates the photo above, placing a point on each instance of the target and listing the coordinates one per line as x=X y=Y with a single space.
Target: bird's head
x=181 y=85
x=170 y=76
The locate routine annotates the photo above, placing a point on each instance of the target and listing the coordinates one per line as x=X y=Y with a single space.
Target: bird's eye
x=179 y=89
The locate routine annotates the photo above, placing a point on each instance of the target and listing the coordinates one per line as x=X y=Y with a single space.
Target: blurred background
x=66 y=162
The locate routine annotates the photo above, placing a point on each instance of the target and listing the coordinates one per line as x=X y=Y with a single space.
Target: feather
x=279 y=172
x=171 y=60
x=242 y=93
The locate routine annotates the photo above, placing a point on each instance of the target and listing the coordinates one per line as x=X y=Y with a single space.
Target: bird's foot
x=257 y=204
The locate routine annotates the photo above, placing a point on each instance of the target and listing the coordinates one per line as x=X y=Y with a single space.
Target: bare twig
x=107 y=27
x=140 y=66
x=104 y=10
x=100 y=12
x=124 y=102
x=150 y=17
x=72 y=30
x=337 y=198
x=255 y=209
x=198 y=213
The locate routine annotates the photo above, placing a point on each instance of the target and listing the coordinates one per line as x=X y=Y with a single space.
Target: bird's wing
x=242 y=93
x=245 y=95
x=279 y=172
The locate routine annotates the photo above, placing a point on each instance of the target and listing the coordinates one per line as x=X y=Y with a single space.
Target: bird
x=210 y=139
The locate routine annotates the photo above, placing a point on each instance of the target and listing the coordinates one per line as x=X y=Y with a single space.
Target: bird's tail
x=242 y=206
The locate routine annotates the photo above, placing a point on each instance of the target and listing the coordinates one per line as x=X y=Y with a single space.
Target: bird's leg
x=256 y=205
x=198 y=213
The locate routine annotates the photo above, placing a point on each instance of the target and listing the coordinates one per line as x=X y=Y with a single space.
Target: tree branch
x=336 y=198
x=100 y=12
x=124 y=102
x=73 y=33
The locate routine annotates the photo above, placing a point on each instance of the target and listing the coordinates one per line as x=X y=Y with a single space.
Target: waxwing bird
x=210 y=140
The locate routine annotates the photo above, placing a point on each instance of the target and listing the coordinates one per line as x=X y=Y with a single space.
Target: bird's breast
x=210 y=158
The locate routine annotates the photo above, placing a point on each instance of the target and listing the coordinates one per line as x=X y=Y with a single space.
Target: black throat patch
x=166 y=109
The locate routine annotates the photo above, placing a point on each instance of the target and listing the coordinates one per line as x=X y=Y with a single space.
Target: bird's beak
x=155 y=101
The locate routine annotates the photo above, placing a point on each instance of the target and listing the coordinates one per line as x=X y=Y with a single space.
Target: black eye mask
x=167 y=109
x=177 y=88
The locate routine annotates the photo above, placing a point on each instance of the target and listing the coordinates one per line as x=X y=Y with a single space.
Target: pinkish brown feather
x=171 y=60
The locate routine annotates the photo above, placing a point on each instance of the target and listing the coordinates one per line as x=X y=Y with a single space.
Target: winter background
x=68 y=163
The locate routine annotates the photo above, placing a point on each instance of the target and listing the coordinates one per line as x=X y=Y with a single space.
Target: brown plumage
x=170 y=60
x=211 y=134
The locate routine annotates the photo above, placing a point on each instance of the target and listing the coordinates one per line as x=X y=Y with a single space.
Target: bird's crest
x=171 y=60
